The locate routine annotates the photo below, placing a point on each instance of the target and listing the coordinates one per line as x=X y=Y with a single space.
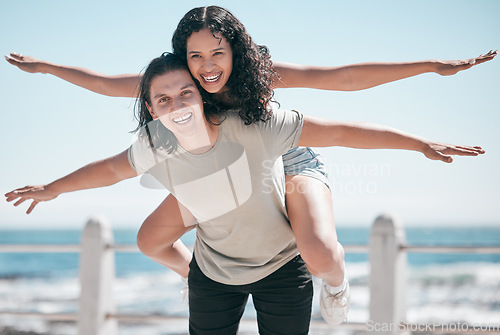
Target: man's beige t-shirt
x=236 y=191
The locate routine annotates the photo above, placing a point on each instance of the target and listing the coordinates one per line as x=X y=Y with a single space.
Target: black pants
x=282 y=300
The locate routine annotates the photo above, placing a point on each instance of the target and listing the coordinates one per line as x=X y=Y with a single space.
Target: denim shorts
x=305 y=162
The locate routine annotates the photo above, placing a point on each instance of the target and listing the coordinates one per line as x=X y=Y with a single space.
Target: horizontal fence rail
x=441 y=249
x=351 y=249
x=41 y=248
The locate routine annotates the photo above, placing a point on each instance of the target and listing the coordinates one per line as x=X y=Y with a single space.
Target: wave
x=466 y=292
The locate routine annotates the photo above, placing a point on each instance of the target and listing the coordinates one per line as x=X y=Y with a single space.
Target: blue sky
x=50 y=128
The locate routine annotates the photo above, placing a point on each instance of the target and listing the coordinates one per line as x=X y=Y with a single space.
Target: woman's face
x=176 y=101
x=210 y=59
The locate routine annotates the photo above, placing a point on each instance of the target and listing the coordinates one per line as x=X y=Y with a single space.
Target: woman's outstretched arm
x=124 y=85
x=365 y=75
x=341 y=78
x=317 y=132
x=98 y=174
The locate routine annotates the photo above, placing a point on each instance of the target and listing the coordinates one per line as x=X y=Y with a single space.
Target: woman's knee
x=146 y=241
x=162 y=228
x=153 y=237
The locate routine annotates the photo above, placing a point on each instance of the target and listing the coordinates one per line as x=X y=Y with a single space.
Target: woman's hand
x=451 y=67
x=443 y=152
x=123 y=85
x=25 y=63
x=37 y=193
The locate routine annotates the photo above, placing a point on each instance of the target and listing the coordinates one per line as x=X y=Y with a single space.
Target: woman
x=224 y=60
x=244 y=243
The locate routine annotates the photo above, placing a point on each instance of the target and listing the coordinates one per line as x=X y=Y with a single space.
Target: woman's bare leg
x=158 y=237
x=310 y=210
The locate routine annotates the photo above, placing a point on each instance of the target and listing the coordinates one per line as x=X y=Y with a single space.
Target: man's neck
x=202 y=141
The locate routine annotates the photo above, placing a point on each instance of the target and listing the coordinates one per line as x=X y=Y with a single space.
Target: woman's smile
x=210 y=59
x=211 y=79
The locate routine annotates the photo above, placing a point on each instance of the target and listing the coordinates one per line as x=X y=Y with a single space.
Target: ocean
x=442 y=288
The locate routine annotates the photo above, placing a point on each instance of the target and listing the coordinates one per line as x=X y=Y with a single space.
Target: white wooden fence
x=97 y=314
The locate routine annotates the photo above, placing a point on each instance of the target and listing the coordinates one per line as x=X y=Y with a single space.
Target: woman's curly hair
x=250 y=83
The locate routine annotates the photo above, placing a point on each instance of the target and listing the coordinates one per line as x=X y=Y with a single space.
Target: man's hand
x=443 y=152
x=37 y=193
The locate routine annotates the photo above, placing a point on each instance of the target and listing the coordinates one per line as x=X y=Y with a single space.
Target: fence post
x=97 y=274
x=387 y=274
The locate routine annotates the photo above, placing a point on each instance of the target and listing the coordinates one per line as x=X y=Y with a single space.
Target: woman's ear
x=150 y=110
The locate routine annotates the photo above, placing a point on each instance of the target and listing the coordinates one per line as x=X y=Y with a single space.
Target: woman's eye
x=195 y=56
x=218 y=53
x=163 y=100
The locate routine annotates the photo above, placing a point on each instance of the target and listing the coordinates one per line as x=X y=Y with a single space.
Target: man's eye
x=186 y=93
x=163 y=100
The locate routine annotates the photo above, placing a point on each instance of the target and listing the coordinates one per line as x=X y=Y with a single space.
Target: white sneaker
x=334 y=307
